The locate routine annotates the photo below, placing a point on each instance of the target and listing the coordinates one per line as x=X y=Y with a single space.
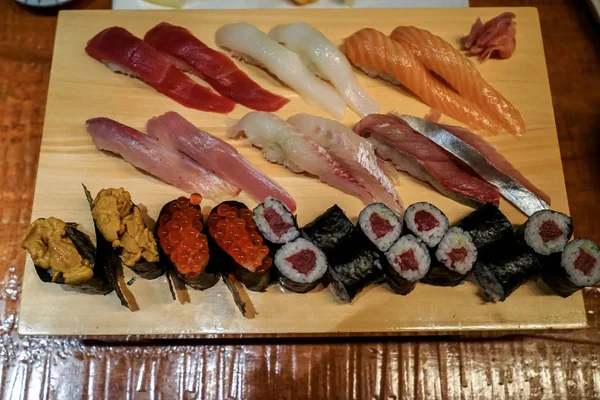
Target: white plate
x=242 y=4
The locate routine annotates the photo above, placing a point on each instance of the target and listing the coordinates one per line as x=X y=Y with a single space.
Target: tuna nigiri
x=166 y=164
x=351 y=151
x=443 y=59
x=255 y=47
x=283 y=144
x=327 y=61
x=125 y=53
x=191 y=55
x=172 y=130
x=409 y=151
x=378 y=55
x=490 y=153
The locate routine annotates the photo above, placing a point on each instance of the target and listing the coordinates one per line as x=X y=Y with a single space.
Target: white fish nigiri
x=255 y=47
x=353 y=152
x=327 y=61
x=283 y=144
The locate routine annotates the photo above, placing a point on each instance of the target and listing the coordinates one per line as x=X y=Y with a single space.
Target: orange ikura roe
x=179 y=233
x=235 y=232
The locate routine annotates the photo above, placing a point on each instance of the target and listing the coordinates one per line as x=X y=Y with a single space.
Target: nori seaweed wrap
x=275 y=222
x=578 y=266
x=452 y=259
x=121 y=224
x=329 y=229
x=237 y=247
x=503 y=267
x=183 y=247
x=408 y=261
x=66 y=256
x=546 y=232
x=487 y=225
x=300 y=265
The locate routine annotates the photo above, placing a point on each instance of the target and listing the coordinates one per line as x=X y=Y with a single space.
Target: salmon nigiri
x=443 y=59
x=378 y=55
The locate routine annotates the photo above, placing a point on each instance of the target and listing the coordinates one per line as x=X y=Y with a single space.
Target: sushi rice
x=432 y=236
x=286 y=216
x=569 y=259
x=421 y=255
x=457 y=238
x=385 y=241
x=534 y=224
x=286 y=268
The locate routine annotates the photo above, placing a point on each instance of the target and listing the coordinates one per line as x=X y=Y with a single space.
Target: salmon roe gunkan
x=179 y=233
x=235 y=232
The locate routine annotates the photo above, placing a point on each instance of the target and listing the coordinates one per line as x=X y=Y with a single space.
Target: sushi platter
x=238 y=233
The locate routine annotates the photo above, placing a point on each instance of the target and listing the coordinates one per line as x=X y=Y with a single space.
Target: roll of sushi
x=427 y=222
x=237 y=247
x=408 y=262
x=351 y=268
x=275 y=222
x=121 y=224
x=487 y=225
x=380 y=226
x=546 y=232
x=329 y=229
x=300 y=264
x=578 y=266
x=453 y=259
x=183 y=247
x=64 y=255
x=503 y=267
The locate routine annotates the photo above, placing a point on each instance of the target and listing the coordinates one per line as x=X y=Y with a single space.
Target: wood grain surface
x=82 y=88
x=542 y=366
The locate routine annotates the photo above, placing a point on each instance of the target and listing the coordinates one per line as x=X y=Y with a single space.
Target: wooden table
x=544 y=365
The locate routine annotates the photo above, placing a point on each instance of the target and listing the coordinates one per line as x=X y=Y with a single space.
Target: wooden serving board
x=81 y=88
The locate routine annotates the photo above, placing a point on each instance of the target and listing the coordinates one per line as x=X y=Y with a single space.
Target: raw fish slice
x=378 y=55
x=351 y=151
x=490 y=153
x=125 y=53
x=443 y=59
x=174 y=131
x=283 y=144
x=394 y=140
x=191 y=55
x=255 y=47
x=327 y=61
x=149 y=155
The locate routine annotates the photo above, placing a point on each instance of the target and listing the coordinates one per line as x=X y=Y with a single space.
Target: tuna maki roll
x=237 y=246
x=121 y=224
x=455 y=256
x=504 y=267
x=329 y=229
x=380 y=226
x=408 y=262
x=487 y=225
x=301 y=265
x=546 y=232
x=577 y=267
x=183 y=246
x=64 y=255
x=427 y=222
x=276 y=222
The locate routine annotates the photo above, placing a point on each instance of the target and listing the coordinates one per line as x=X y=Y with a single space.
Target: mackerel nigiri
x=353 y=152
x=327 y=61
x=122 y=52
x=148 y=154
x=255 y=47
x=378 y=55
x=172 y=130
x=283 y=144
